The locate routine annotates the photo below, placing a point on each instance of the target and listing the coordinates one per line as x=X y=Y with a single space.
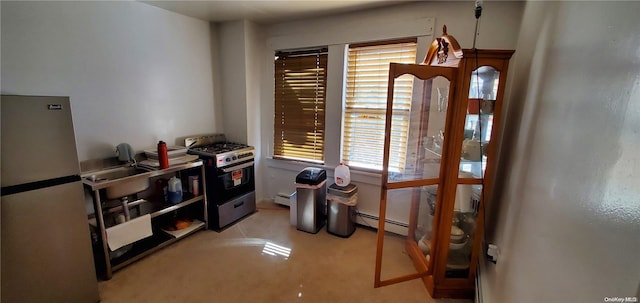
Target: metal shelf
x=171 y=208
x=159 y=239
x=148 y=174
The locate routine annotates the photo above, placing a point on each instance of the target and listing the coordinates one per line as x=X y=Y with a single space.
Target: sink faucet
x=134 y=163
x=126 y=154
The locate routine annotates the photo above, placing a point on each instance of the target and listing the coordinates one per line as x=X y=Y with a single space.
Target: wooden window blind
x=366 y=103
x=300 y=87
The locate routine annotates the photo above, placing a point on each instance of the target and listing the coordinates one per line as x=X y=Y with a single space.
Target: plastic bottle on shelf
x=194 y=187
x=174 y=190
x=163 y=155
x=342 y=176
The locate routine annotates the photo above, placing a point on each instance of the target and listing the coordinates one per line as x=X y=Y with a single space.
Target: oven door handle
x=241 y=166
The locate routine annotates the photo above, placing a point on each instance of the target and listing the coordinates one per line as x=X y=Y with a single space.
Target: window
x=300 y=81
x=366 y=103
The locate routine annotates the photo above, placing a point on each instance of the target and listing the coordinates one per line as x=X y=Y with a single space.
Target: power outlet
x=492 y=253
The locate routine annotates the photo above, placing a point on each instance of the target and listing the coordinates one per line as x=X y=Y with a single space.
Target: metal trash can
x=311 y=192
x=341 y=209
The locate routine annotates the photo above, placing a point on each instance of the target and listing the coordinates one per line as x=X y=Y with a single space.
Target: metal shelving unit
x=108 y=261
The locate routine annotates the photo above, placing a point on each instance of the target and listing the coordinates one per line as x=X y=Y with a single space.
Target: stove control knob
x=234 y=158
x=227 y=159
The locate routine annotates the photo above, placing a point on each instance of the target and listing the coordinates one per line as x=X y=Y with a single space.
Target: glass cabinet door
x=418 y=121
x=417 y=127
x=463 y=227
x=483 y=89
x=478 y=122
x=416 y=116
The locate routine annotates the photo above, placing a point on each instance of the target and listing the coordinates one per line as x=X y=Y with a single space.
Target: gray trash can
x=341 y=209
x=311 y=192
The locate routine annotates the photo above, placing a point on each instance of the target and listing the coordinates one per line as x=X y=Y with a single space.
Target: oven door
x=233 y=181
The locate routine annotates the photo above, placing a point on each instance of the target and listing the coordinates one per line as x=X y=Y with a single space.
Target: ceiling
x=265 y=11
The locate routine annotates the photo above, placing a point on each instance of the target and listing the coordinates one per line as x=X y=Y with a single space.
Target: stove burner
x=221 y=147
x=224 y=153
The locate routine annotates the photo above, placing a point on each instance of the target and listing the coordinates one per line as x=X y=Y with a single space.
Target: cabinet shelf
x=434 y=152
x=164 y=208
x=137 y=250
x=156 y=209
x=145 y=247
x=181 y=233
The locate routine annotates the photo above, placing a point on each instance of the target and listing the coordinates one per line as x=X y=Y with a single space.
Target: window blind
x=366 y=103
x=300 y=86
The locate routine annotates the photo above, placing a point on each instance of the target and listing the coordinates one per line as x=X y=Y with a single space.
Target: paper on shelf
x=128 y=232
x=181 y=232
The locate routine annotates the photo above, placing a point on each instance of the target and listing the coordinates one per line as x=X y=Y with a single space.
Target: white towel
x=129 y=232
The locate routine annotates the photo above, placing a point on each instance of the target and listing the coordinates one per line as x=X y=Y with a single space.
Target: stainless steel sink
x=120 y=181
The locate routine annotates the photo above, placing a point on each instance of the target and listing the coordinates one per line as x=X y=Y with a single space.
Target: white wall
x=234 y=79
x=135 y=73
x=498 y=29
x=256 y=47
x=568 y=222
x=241 y=49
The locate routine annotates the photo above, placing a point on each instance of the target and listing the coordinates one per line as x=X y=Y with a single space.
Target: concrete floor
x=264 y=259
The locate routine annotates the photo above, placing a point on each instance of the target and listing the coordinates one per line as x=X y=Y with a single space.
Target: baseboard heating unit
x=284 y=198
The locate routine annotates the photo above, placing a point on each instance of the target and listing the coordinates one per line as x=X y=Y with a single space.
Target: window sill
x=359 y=176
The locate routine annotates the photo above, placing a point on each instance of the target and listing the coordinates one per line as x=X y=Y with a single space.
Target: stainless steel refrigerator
x=46 y=245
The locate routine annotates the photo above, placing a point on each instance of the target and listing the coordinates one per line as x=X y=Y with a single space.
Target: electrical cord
x=363 y=218
x=478 y=13
x=482 y=173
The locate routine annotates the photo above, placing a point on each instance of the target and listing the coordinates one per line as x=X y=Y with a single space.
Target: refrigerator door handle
x=14 y=189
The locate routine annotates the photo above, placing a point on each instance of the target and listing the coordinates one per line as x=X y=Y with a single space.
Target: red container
x=161 y=190
x=474 y=106
x=163 y=155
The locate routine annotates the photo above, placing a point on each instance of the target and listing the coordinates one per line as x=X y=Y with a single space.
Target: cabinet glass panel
x=424 y=233
x=463 y=225
x=418 y=126
x=479 y=121
x=400 y=202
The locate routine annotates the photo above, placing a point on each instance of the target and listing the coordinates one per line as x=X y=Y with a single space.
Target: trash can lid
x=311 y=176
x=345 y=191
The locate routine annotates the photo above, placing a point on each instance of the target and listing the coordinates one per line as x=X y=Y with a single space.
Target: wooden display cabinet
x=458 y=94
